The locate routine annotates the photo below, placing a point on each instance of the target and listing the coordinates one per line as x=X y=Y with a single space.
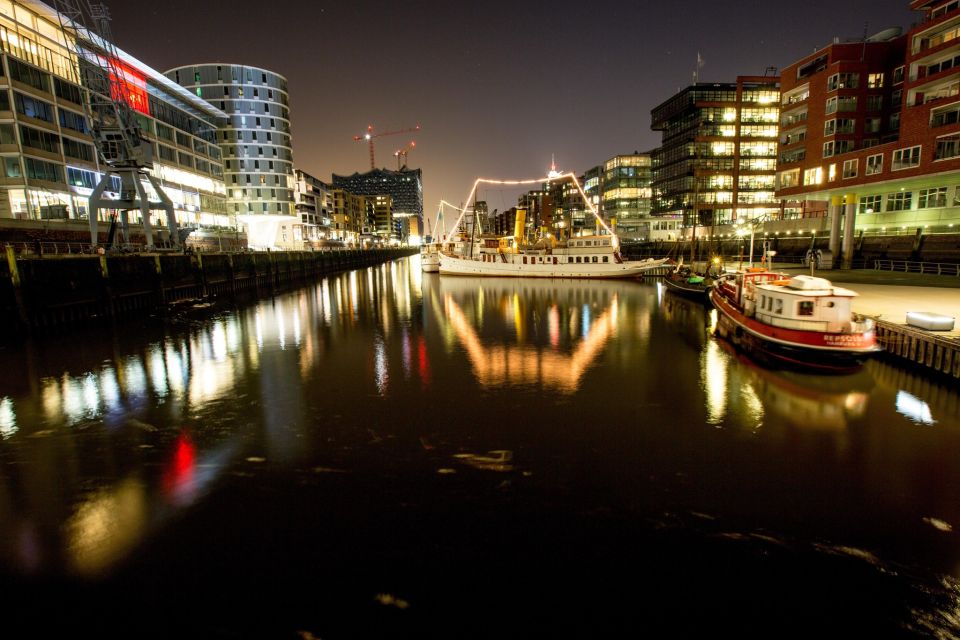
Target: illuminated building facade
x=256 y=146
x=626 y=194
x=405 y=187
x=314 y=204
x=717 y=160
x=50 y=163
x=872 y=131
x=351 y=215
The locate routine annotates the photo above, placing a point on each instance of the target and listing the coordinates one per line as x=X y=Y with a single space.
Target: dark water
x=395 y=454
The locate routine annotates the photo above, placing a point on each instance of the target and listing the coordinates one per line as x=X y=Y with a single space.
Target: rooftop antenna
x=696 y=72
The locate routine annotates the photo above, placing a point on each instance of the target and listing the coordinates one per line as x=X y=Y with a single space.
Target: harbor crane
x=112 y=100
x=369 y=136
x=402 y=153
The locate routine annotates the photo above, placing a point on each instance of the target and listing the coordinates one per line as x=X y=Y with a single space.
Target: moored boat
x=430 y=257
x=684 y=281
x=800 y=321
x=580 y=257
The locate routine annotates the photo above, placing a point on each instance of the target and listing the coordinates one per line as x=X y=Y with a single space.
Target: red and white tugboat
x=799 y=321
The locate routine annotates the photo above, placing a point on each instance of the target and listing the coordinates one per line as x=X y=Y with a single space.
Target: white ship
x=581 y=257
x=575 y=256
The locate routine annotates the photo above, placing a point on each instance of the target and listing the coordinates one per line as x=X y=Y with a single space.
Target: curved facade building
x=256 y=147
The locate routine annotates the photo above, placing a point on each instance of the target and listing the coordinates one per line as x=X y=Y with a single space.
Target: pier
x=45 y=292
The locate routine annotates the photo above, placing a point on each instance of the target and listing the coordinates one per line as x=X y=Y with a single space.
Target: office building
x=50 y=162
x=717 y=161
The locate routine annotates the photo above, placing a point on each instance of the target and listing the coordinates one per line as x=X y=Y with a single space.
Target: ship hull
x=791 y=347
x=456 y=266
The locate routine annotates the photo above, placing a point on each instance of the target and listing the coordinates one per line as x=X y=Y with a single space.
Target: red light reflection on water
x=179 y=476
x=423 y=362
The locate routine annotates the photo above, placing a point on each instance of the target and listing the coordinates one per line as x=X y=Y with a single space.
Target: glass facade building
x=50 y=163
x=717 y=161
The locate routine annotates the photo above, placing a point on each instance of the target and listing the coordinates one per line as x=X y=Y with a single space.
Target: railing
x=938 y=268
x=40 y=249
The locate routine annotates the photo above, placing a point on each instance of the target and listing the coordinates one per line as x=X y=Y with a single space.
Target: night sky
x=497 y=87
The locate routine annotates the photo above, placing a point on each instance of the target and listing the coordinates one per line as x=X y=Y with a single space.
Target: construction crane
x=370 y=135
x=402 y=153
x=120 y=144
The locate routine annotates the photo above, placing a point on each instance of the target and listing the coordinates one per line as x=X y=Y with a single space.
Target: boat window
x=779 y=306
x=578 y=259
x=554 y=260
x=805 y=308
x=524 y=259
x=594 y=258
x=830 y=304
x=606 y=258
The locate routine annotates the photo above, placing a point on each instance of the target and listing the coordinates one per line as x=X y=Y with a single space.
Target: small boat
x=686 y=282
x=430 y=257
x=580 y=257
x=799 y=321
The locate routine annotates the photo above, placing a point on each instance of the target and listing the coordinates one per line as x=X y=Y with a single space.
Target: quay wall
x=48 y=292
x=920 y=347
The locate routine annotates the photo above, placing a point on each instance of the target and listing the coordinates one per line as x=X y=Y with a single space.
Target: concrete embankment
x=37 y=293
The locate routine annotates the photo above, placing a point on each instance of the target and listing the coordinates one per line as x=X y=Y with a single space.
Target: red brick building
x=872 y=128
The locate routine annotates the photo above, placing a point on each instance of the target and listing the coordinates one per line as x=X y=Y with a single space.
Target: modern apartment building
x=872 y=130
x=50 y=162
x=717 y=161
x=313 y=200
x=256 y=145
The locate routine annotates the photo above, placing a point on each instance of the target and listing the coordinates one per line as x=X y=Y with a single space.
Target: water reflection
x=733 y=382
x=607 y=403
x=537 y=314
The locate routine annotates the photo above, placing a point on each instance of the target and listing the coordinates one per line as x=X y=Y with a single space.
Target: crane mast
x=116 y=133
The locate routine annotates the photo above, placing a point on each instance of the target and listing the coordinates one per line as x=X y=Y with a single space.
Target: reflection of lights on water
x=753 y=405
x=713 y=379
x=176 y=370
x=158 y=375
x=258 y=328
x=520 y=364
x=585 y=320
x=233 y=334
x=107 y=526
x=407 y=351
x=423 y=361
x=218 y=341
x=133 y=376
x=52 y=397
x=713 y=318
x=72 y=407
x=380 y=365
x=296 y=328
x=856 y=403
x=553 y=323
x=914 y=408
x=179 y=475
x=8 y=419
x=353 y=293
x=110 y=390
x=325 y=301
x=281 y=326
